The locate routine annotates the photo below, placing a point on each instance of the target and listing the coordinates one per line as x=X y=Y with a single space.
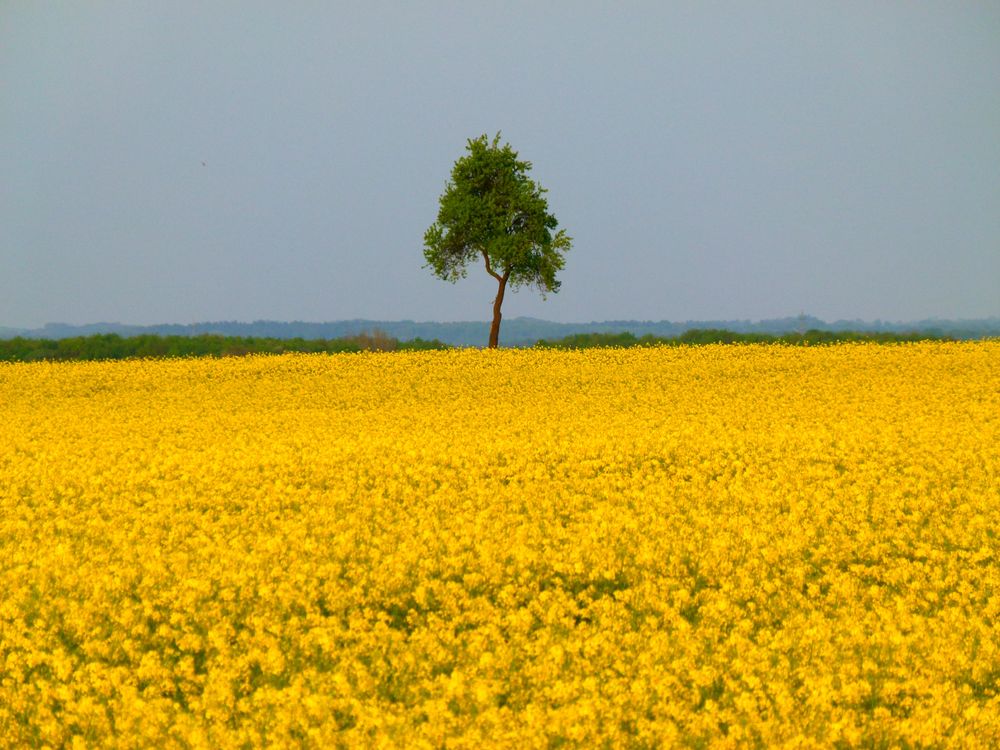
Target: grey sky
x=179 y=162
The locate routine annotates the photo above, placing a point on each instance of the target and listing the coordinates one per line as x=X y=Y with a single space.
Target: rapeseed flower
x=722 y=545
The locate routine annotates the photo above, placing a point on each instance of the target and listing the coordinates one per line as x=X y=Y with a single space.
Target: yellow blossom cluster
x=722 y=546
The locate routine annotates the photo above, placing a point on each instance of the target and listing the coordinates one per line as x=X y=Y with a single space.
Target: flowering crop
x=722 y=545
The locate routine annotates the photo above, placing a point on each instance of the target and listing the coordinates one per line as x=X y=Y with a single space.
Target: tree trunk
x=495 y=328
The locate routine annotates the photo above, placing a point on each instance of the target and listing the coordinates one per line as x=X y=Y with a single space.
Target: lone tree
x=492 y=210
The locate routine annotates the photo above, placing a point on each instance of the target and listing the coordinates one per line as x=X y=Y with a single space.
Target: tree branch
x=489 y=268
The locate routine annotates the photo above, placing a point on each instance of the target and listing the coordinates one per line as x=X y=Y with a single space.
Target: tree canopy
x=492 y=210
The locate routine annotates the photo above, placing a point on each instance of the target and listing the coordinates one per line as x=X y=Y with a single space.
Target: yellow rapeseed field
x=721 y=546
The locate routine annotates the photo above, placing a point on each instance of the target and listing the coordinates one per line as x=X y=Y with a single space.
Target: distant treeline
x=113 y=346
x=698 y=336
x=515 y=332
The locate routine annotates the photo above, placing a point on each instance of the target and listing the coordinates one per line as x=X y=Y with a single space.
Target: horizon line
x=231 y=321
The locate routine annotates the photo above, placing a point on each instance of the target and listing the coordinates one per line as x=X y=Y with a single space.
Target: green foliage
x=492 y=210
x=702 y=336
x=113 y=346
x=590 y=340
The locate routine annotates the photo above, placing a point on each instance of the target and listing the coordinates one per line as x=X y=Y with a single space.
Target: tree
x=491 y=209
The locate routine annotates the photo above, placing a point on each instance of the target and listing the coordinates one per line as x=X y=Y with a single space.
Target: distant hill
x=515 y=331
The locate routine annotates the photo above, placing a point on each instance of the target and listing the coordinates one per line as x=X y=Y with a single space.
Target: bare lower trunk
x=495 y=328
x=502 y=282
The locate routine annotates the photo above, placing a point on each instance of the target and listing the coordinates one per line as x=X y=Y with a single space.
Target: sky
x=202 y=161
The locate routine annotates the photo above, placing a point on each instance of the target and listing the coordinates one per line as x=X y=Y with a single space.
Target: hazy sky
x=190 y=161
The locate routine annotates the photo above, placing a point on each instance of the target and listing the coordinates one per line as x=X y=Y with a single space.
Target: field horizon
x=515 y=331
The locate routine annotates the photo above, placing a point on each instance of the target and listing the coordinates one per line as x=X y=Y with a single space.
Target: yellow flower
x=720 y=546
